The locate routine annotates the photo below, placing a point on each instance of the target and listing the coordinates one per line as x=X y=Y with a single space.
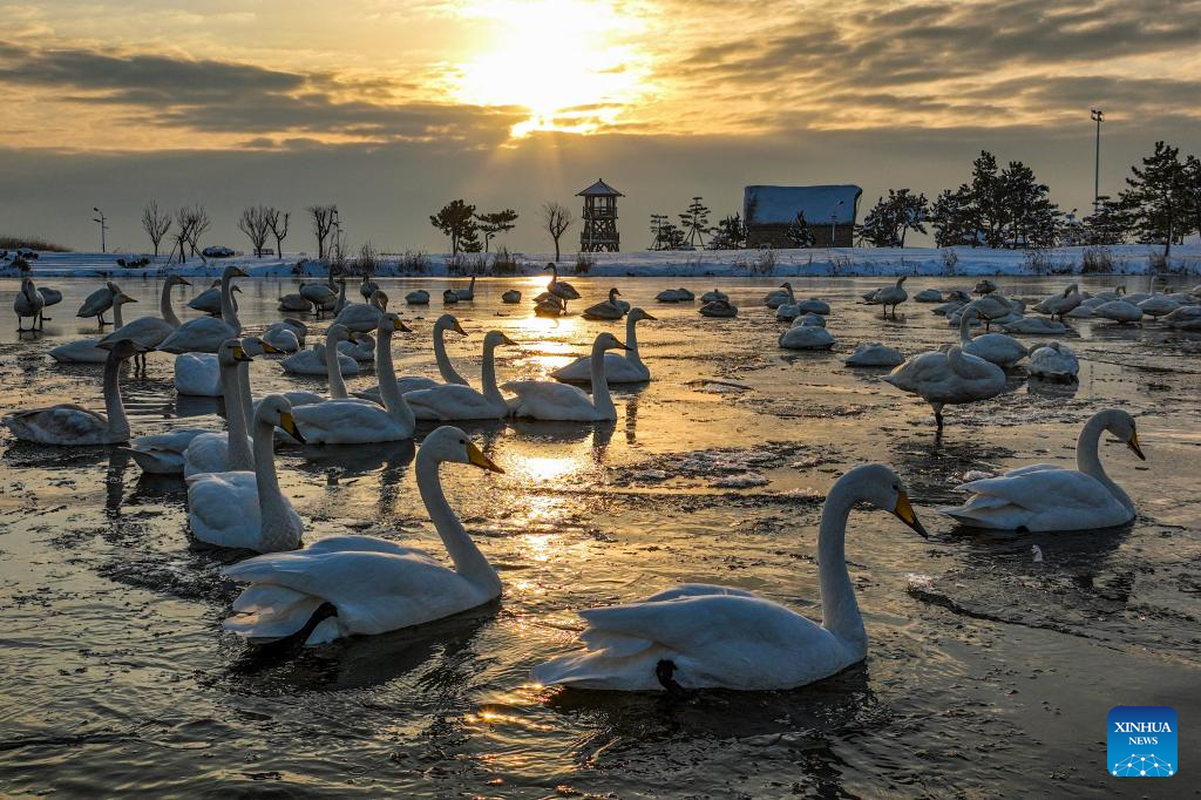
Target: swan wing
x=146 y=331
x=1039 y=497
x=453 y=401
x=550 y=401
x=61 y=424
x=203 y=335
x=80 y=351
x=223 y=509
x=347 y=422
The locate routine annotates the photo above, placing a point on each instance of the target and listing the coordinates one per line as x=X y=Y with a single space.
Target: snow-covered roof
x=772 y=205
x=600 y=188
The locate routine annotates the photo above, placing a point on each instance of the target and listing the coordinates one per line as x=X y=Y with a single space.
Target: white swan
x=99 y=301
x=50 y=297
x=1158 y=305
x=367 y=287
x=86 y=351
x=228 y=451
x=1185 y=318
x=451 y=401
x=70 y=425
x=1119 y=311
x=718 y=308
x=1044 y=497
x=511 y=297
x=1053 y=361
x=418 y=297
x=561 y=289
x=1002 y=350
x=1035 y=326
x=206 y=334
x=810 y=319
x=246 y=509
x=467 y=294
x=628 y=368
x=928 y=296
x=343 y=420
x=294 y=302
x=209 y=301
x=151 y=331
x=412 y=383
x=363 y=317
x=314 y=361
x=948 y=378
x=891 y=296
x=698 y=636
x=874 y=354
x=548 y=400
x=779 y=297
x=609 y=309
x=714 y=294
x=287 y=336
x=360 y=347
x=374 y=585
x=1059 y=304
x=28 y=303
x=806 y=337
x=321 y=295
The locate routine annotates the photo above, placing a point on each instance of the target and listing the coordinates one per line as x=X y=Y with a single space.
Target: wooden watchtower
x=600 y=219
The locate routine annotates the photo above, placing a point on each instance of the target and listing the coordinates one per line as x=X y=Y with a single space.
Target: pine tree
x=494 y=223
x=1158 y=198
x=1027 y=216
x=694 y=222
x=457 y=220
x=730 y=234
x=1192 y=184
x=657 y=223
x=798 y=234
x=1108 y=224
x=890 y=218
x=954 y=218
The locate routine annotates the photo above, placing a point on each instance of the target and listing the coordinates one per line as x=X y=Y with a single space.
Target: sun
x=571 y=63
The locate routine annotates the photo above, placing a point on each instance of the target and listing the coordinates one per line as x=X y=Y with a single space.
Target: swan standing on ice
x=891 y=296
x=348 y=585
x=1044 y=497
x=618 y=368
x=610 y=309
x=1053 y=361
x=28 y=303
x=99 y=301
x=321 y=295
x=411 y=383
x=1002 y=350
x=70 y=425
x=343 y=420
x=451 y=401
x=547 y=400
x=246 y=510
x=699 y=636
x=151 y=331
x=948 y=378
x=87 y=351
x=206 y=334
x=561 y=289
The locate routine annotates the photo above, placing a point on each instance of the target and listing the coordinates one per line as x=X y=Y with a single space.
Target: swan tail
x=1003 y=516
x=600 y=670
x=273 y=617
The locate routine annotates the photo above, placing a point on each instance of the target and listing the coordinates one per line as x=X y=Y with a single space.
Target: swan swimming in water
x=206 y=334
x=609 y=309
x=1044 y=497
x=247 y=510
x=229 y=451
x=446 y=370
x=452 y=401
x=548 y=400
x=618 y=368
x=88 y=351
x=698 y=636
x=369 y=585
x=70 y=425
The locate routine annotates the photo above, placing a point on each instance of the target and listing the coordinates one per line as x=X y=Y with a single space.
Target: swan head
x=637 y=314
x=255 y=346
x=178 y=280
x=448 y=443
x=234 y=272
x=337 y=333
x=232 y=352
x=448 y=322
x=614 y=293
x=276 y=411
x=1121 y=425
x=786 y=285
x=121 y=298
x=607 y=341
x=495 y=339
x=379 y=298
x=878 y=485
x=390 y=323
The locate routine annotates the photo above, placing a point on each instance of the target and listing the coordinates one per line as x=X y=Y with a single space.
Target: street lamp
x=102 y=221
x=1098 y=116
x=834 y=220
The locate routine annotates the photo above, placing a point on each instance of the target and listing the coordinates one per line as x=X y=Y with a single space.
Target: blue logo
x=1142 y=741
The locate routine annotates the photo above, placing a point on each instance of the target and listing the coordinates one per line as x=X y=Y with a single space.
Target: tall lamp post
x=1098 y=116
x=834 y=220
x=102 y=221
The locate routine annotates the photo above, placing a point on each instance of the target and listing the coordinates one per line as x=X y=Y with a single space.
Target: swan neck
x=964 y=324
x=164 y=307
x=840 y=610
x=238 y=451
x=1088 y=459
x=114 y=408
x=468 y=560
x=118 y=317
x=445 y=368
x=488 y=385
x=228 y=313
x=601 y=399
x=632 y=355
x=273 y=510
x=394 y=402
x=333 y=371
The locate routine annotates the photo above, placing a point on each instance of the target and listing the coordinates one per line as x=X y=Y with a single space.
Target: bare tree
x=557 y=218
x=156 y=223
x=255 y=222
x=323 y=223
x=183 y=233
x=278 y=222
x=198 y=225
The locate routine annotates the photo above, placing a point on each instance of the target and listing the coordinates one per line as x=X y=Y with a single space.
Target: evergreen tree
x=730 y=234
x=890 y=218
x=798 y=234
x=657 y=223
x=1192 y=183
x=1109 y=224
x=456 y=220
x=694 y=222
x=1158 y=199
x=954 y=219
x=1027 y=216
x=497 y=222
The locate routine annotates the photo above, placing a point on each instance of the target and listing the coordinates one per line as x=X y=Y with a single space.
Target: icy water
x=991 y=666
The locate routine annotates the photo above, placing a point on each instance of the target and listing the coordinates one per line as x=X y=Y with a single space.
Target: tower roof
x=600 y=189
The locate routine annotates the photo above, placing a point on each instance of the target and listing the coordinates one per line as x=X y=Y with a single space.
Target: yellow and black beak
x=127 y=299
x=459 y=329
x=288 y=423
x=240 y=273
x=1132 y=443
x=623 y=346
x=240 y=354
x=506 y=340
x=904 y=512
x=182 y=281
x=399 y=325
x=270 y=348
x=476 y=457
x=649 y=316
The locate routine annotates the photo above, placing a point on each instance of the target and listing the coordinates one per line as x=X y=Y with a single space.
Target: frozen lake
x=987 y=667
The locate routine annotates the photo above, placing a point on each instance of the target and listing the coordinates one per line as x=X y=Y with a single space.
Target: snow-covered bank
x=838 y=262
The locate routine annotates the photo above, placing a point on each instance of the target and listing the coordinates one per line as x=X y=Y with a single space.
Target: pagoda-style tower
x=600 y=219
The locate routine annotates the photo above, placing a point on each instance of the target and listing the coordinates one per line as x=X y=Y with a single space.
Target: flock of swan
x=688 y=637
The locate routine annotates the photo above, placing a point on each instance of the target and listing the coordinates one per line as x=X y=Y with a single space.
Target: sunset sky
x=390 y=109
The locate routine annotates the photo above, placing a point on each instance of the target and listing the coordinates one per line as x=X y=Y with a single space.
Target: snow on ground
x=838 y=262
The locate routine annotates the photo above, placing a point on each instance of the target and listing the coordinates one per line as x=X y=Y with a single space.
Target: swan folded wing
x=1039 y=497
x=373 y=591
x=224 y=509
x=360 y=543
x=205 y=334
x=451 y=401
x=347 y=421
x=52 y=423
x=148 y=331
x=548 y=401
x=208 y=452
